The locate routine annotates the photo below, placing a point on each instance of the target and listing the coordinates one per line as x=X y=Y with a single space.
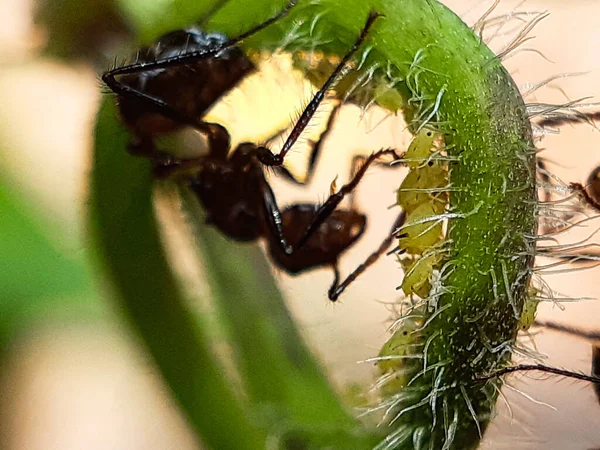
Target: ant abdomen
x=335 y=235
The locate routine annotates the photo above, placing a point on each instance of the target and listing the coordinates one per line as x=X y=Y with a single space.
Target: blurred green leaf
x=124 y=228
x=37 y=280
x=152 y=19
x=78 y=31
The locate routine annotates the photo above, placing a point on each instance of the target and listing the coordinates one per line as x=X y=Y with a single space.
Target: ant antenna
x=311 y=108
x=198 y=55
x=540 y=368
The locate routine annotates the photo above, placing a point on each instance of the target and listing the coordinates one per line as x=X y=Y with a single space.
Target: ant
x=589 y=192
x=172 y=85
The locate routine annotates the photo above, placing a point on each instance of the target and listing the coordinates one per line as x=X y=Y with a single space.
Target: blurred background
x=71 y=375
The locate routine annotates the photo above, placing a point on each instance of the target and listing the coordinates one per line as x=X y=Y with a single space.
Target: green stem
x=284 y=382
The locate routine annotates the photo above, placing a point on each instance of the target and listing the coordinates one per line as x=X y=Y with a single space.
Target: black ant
x=173 y=84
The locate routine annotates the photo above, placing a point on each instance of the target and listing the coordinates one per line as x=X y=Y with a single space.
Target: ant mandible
x=173 y=84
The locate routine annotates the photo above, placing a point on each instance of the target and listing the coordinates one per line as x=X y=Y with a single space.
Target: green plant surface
x=445 y=74
x=125 y=230
x=492 y=204
x=289 y=394
x=76 y=32
x=152 y=19
x=38 y=282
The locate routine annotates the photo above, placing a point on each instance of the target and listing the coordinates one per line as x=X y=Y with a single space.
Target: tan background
x=87 y=387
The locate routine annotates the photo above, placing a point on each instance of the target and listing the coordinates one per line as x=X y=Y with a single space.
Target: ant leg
x=315 y=150
x=359 y=161
x=110 y=80
x=334 y=200
x=335 y=283
x=540 y=368
x=589 y=335
x=281 y=170
x=273 y=214
x=272 y=211
x=587 y=260
x=268 y=158
x=337 y=288
x=542 y=170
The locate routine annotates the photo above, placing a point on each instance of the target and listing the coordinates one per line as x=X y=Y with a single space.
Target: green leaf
x=37 y=280
x=74 y=31
x=125 y=231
